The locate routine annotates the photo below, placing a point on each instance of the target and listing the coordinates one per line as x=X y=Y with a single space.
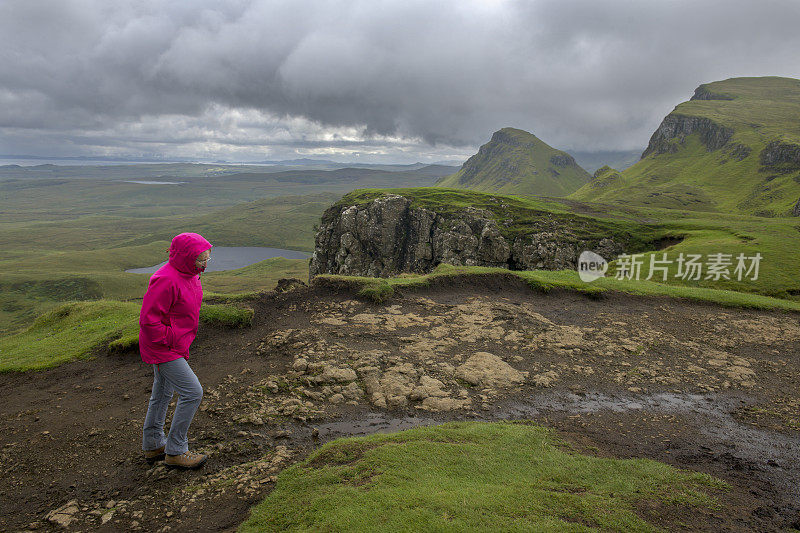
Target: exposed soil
x=695 y=385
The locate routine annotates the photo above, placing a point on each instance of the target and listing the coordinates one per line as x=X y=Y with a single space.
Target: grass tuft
x=539 y=286
x=378 y=292
x=124 y=343
x=226 y=315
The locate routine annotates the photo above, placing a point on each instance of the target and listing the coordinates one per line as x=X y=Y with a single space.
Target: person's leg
x=153 y=433
x=178 y=374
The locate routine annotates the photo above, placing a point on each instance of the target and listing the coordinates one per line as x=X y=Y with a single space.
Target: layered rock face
x=677 y=127
x=386 y=237
x=704 y=93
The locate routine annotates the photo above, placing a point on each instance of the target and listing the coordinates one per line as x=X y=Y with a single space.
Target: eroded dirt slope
x=694 y=385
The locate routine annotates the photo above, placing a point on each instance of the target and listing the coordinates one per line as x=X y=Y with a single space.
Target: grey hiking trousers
x=170 y=377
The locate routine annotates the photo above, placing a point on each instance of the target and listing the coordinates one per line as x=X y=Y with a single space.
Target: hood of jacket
x=184 y=251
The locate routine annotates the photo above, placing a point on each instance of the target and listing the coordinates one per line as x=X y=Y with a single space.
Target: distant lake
x=155 y=182
x=233 y=257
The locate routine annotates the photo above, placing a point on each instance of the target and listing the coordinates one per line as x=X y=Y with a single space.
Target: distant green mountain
x=517 y=162
x=733 y=147
x=592 y=161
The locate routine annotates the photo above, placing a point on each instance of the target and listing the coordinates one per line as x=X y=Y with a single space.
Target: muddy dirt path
x=694 y=385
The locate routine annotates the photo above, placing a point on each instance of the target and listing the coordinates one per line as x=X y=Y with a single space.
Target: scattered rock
x=428 y=387
x=545 y=379
x=331 y=374
x=288 y=284
x=488 y=370
x=64 y=515
x=336 y=399
x=352 y=391
x=106 y=517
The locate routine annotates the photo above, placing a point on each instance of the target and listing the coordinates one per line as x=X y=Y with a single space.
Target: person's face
x=202 y=260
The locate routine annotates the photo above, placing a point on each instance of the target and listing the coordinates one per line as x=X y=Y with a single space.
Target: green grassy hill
x=517 y=162
x=733 y=147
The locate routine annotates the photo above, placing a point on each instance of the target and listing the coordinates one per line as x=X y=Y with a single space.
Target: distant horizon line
x=209 y=161
x=306 y=160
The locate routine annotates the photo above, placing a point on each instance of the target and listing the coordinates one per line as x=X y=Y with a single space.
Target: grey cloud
x=583 y=74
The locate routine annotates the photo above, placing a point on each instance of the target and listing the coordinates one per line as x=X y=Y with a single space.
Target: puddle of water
x=370 y=424
x=771 y=451
x=711 y=415
x=233 y=257
x=596 y=401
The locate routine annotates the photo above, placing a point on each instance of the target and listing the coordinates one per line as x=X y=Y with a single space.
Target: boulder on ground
x=488 y=370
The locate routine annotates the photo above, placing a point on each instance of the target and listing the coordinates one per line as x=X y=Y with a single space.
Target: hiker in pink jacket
x=167 y=326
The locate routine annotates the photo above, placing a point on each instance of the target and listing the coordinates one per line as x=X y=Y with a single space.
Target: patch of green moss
x=471 y=476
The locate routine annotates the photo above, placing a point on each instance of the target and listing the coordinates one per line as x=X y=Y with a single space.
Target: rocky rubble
x=423 y=355
x=246 y=480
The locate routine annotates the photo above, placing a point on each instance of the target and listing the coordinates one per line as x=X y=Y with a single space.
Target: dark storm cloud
x=582 y=74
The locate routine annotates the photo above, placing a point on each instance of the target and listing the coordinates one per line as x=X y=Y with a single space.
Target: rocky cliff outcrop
x=796 y=209
x=781 y=154
x=563 y=160
x=387 y=236
x=676 y=127
x=704 y=93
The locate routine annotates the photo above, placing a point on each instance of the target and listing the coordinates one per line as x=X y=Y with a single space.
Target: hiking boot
x=151 y=456
x=186 y=460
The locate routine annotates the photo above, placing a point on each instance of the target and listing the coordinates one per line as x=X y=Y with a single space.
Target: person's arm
x=154 y=317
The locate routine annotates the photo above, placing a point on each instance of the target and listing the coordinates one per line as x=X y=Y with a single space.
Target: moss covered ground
x=471 y=476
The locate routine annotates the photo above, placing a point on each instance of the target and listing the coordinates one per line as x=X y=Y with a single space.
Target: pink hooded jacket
x=171 y=306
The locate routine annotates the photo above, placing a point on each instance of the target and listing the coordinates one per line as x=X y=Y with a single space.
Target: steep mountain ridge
x=733 y=147
x=517 y=162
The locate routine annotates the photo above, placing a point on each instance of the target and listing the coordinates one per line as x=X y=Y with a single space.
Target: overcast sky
x=377 y=81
